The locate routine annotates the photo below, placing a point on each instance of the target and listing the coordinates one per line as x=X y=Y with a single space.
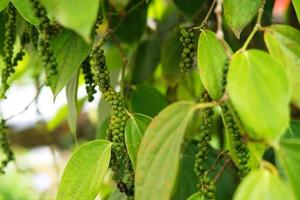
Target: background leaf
x=189 y=8
x=187 y=179
x=170 y=57
x=71 y=93
x=135 y=21
x=289 y=158
x=145 y=60
x=159 y=152
x=74 y=14
x=25 y=8
x=211 y=59
x=134 y=131
x=258 y=87
x=283 y=43
x=262 y=185
x=84 y=172
x=147 y=100
x=239 y=13
x=69 y=50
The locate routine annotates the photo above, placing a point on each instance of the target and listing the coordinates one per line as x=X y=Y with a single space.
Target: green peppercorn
x=240 y=148
x=188 y=53
x=5 y=146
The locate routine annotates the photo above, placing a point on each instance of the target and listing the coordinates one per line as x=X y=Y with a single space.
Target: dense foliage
x=201 y=100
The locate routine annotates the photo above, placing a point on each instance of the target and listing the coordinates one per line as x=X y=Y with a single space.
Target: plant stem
x=202 y=106
x=256 y=27
x=204 y=22
x=217 y=177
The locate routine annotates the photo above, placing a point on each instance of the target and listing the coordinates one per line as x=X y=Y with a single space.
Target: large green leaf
x=283 y=43
x=3 y=4
x=170 y=57
x=71 y=93
x=84 y=172
x=69 y=50
x=159 y=152
x=262 y=184
x=25 y=8
x=239 y=13
x=134 y=131
x=145 y=60
x=147 y=100
x=289 y=158
x=189 y=8
x=296 y=4
x=211 y=59
x=76 y=15
x=259 y=89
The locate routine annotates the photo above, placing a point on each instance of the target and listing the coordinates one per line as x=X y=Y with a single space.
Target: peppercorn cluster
x=120 y=162
x=9 y=40
x=46 y=30
x=187 y=40
x=225 y=70
x=5 y=146
x=205 y=185
x=241 y=149
x=89 y=79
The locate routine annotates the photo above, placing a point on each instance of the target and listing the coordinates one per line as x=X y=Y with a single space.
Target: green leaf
x=69 y=50
x=147 y=100
x=187 y=179
x=147 y=55
x=3 y=4
x=119 y=5
x=117 y=195
x=159 y=152
x=239 y=13
x=296 y=4
x=211 y=58
x=196 y=196
x=261 y=184
x=259 y=90
x=289 y=158
x=25 y=8
x=283 y=43
x=134 y=131
x=84 y=172
x=190 y=8
x=135 y=21
x=294 y=130
x=71 y=93
x=76 y=15
x=58 y=118
x=170 y=57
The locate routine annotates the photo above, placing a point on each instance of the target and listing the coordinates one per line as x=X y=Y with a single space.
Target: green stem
x=204 y=22
x=256 y=27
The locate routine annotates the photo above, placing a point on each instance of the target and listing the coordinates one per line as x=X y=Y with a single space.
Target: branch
x=219 y=174
x=28 y=106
